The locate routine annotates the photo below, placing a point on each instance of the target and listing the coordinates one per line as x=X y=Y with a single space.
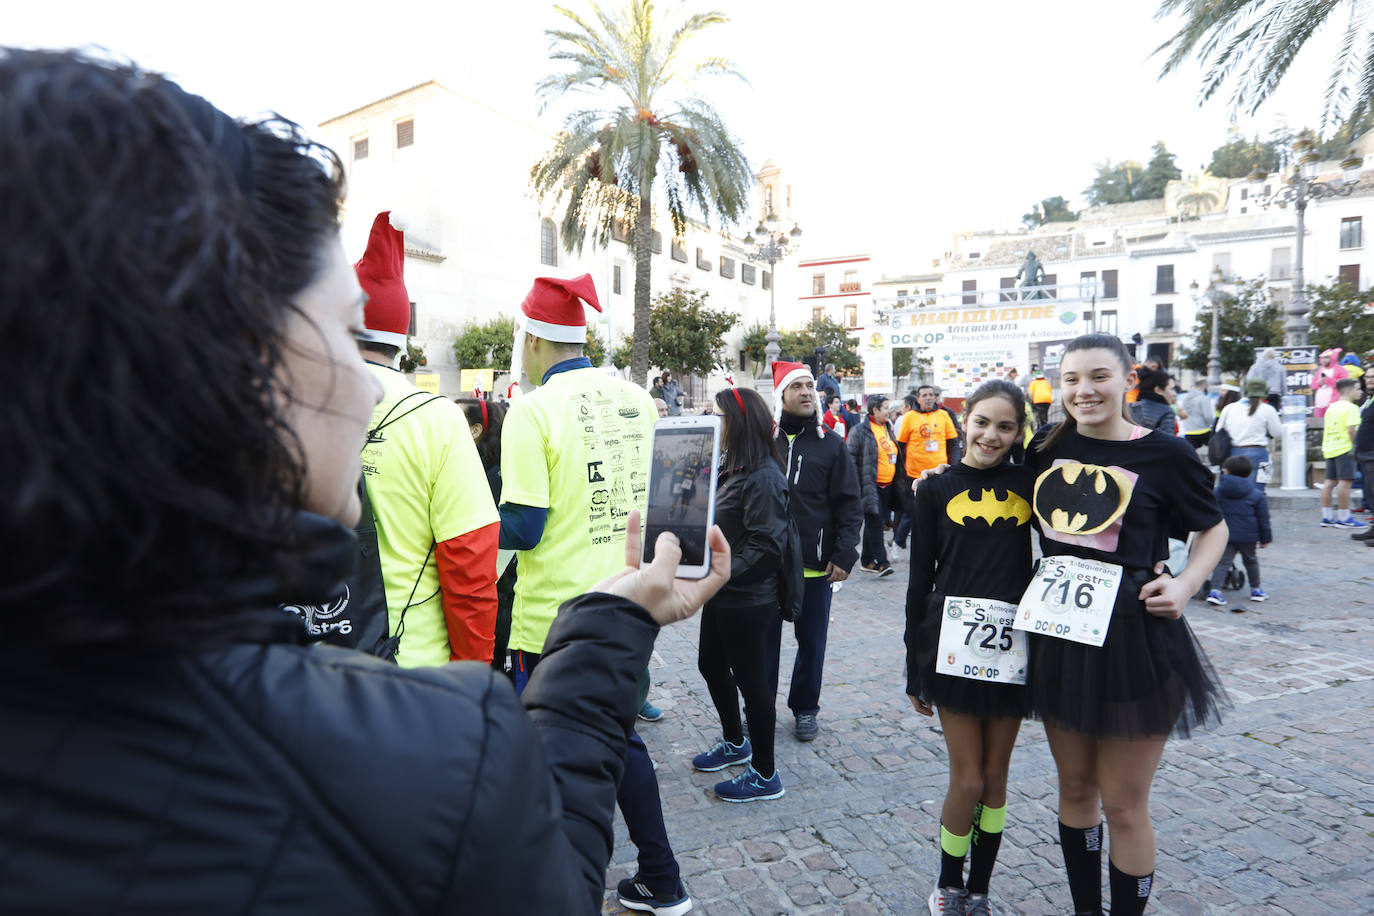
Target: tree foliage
x=1339 y=319
x=481 y=346
x=1249 y=318
x=1237 y=157
x=1049 y=210
x=686 y=335
x=804 y=341
x=652 y=131
x=1128 y=180
x=1250 y=44
x=1159 y=171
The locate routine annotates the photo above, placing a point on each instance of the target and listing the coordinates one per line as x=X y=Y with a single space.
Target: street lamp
x=1300 y=187
x=1214 y=295
x=771 y=245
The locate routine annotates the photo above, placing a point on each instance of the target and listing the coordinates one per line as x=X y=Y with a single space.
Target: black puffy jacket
x=751 y=510
x=824 y=499
x=283 y=778
x=1153 y=413
x=863 y=449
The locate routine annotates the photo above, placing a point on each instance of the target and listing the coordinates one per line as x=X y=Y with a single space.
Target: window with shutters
x=818 y=313
x=1352 y=232
x=818 y=284
x=1164 y=278
x=970 y=292
x=548 y=243
x=746 y=274
x=1106 y=322
x=619 y=231
x=851 y=316
x=615 y=279
x=359 y=148
x=1008 y=285
x=405 y=133
x=727 y=267
x=1349 y=273
x=1051 y=281
x=703 y=262
x=677 y=251
x=1164 y=316
x=1109 y=285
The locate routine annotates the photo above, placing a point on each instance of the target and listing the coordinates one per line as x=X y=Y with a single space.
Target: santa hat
x=785 y=374
x=381 y=273
x=552 y=310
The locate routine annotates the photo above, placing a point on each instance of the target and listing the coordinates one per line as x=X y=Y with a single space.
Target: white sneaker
x=947 y=901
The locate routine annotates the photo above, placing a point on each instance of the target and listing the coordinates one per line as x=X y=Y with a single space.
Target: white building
x=838 y=288
x=458 y=173
x=1129 y=268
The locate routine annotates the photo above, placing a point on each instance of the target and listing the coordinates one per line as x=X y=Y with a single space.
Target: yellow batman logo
x=988 y=507
x=1074 y=498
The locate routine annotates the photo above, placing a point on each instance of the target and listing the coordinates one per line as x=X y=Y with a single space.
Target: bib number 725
x=990 y=632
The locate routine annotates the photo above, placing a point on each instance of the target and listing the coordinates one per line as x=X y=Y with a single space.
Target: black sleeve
x=924 y=544
x=847 y=509
x=551 y=798
x=868 y=483
x=1266 y=533
x=764 y=507
x=1192 y=504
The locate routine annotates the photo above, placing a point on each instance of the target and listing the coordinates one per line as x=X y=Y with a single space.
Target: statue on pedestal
x=1031 y=275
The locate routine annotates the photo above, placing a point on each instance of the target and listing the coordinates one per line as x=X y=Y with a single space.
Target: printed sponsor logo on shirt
x=629 y=413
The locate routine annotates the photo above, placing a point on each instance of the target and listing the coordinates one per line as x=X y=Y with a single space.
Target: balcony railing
x=1053 y=294
x=851 y=287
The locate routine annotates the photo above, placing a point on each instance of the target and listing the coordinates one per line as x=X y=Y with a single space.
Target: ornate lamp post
x=771 y=245
x=1214 y=295
x=1300 y=187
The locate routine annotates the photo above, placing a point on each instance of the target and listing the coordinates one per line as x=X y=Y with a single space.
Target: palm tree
x=606 y=160
x=1251 y=44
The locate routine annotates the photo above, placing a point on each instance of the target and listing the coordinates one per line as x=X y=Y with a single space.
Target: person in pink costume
x=1324 y=386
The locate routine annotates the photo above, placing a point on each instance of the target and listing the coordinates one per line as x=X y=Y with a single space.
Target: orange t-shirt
x=887 y=453
x=925 y=435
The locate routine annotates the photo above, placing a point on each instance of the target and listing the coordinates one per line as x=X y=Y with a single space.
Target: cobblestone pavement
x=1272 y=813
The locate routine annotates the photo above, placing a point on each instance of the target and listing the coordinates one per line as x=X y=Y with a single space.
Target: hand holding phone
x=682 y=489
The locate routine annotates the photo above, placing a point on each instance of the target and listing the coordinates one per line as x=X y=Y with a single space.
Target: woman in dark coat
x=751 y=508
x=185 y=460
x=873 y=446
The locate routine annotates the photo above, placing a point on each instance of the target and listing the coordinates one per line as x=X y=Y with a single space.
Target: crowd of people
x=218 y=470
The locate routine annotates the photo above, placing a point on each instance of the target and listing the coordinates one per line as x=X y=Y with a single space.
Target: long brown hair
x=1113 y=345
x=747 y=436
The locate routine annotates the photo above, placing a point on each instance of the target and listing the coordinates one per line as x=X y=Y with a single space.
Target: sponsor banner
x=471 y=379
x=876 y=354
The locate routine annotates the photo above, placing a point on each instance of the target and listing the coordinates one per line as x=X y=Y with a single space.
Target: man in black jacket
x=824 y=500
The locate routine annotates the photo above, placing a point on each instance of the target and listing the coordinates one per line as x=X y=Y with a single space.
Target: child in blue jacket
x=1247 y=516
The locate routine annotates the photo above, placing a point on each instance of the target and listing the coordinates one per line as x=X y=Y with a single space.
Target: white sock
x=1326 y=514
x=1342 y=515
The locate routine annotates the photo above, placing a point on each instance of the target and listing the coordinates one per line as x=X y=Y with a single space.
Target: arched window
x=548 y=243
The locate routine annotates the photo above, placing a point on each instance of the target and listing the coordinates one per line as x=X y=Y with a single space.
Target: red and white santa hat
x=784 y=374
x=553 y=310
x=381 y=273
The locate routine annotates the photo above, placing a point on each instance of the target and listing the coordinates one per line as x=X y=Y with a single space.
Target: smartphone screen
x=681 y=490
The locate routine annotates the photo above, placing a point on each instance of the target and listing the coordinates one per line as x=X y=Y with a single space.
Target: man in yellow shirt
x=575 y=456
x=1041 y=396
x=436 y=522
x=1339 y=424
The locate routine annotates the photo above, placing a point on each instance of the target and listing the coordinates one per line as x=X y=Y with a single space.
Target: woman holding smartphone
x=970 y=564
x=751 y=509
x=1107 y=494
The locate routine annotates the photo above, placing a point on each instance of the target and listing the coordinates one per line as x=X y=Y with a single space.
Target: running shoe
x=634 y=894
x=750 y=786
x=947 y=901
x=978 y=905
x=1217 y=598
x=649 y=712
x=1328 y=523
x=723 y=755
x=806 y=729
x=1258 y=594
x=886 y=571
x=1351 y=523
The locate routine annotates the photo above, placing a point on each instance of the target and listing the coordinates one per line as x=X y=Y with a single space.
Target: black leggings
x=732 y=656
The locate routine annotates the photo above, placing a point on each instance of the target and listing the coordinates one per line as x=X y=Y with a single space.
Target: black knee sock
x=953 y=849
x=1083 y=862
x=1130 y=893
x=987 y=840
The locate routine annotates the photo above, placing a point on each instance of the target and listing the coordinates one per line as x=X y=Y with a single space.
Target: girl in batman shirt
x=970 y=563
x=1109 y=492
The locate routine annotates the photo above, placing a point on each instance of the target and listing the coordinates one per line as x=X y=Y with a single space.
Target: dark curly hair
x=150 y=252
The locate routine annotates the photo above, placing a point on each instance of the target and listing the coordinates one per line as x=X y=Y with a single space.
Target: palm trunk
x=644 y=250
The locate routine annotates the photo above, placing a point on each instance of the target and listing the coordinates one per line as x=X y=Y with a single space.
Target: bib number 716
x=1070 y=598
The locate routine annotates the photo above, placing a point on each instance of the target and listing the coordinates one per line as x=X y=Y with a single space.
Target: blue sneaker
x=1329 y=522
x=1217 y=598
x=1258 y=594
x=750 y=786
x=649 y=712
x=634 y=894
x=723 y=755
x=1350 y=523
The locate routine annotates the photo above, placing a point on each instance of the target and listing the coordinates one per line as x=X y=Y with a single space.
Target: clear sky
x=898 y=122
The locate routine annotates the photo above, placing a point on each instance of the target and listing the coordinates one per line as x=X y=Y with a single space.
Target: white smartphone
x=682 y=489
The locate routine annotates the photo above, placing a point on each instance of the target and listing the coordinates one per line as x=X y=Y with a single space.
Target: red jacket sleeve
x=467 y=581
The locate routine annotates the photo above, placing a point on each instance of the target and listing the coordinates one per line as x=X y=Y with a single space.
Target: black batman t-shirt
x=970 y=537
x=1118 y=501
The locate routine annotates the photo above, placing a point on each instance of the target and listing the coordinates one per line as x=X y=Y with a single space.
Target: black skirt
x=1149 y=678
x=964 y=695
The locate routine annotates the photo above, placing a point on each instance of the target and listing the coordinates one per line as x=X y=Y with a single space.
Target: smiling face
x=1093 y=384
x=879 y=415
x=991 y=429
x=328 y=389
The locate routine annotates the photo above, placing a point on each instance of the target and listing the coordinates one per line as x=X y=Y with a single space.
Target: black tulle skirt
x=1150 y=677
x=961 y=694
